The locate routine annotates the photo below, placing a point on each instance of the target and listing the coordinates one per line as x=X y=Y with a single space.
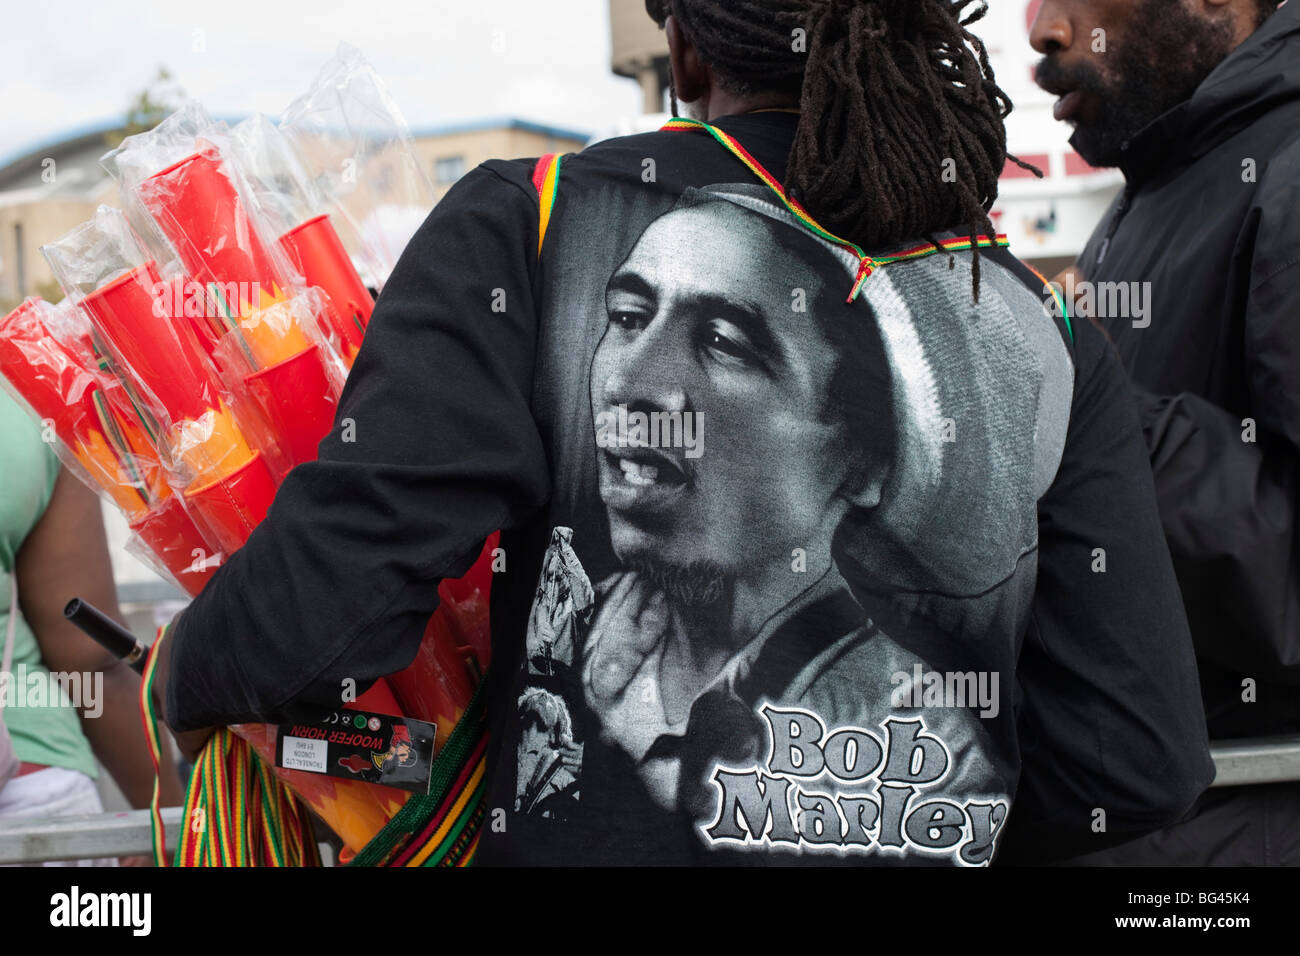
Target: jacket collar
x=1260 y=74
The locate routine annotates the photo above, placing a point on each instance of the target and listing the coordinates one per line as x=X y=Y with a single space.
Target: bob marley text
x=852 y=790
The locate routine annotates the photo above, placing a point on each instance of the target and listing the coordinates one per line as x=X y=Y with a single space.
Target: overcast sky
x=80 y=61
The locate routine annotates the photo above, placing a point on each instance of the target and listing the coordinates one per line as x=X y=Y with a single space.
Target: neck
x=756 y=597
x=721 y=103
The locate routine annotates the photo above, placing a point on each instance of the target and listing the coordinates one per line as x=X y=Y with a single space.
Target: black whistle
x=112 y=636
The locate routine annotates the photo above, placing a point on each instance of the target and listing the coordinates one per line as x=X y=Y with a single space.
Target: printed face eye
x=728 y=344
x=628 y=310
x=628 y=320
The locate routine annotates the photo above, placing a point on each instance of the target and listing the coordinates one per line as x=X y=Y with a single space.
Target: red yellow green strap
x=155 y=748
x=866 y=264
x=1060 y=299
x=237 y=813
x=546 y=179
x=440 y=828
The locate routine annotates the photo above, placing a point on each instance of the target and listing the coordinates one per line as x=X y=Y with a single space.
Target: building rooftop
x=78 y=148
x=500 y=122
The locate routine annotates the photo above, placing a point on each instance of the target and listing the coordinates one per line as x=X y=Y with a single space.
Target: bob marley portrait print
x=781 y=518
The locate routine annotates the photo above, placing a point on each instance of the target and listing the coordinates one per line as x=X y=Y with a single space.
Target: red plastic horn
x=317 y=253
x=234 y=505
x=298 y=400
x=171 y=535
x=195 y=204
x=139 y=317
x=45 y=374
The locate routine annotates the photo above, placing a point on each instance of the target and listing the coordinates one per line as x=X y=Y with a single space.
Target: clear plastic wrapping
x=101 y=437
x=268 y=333
x=212 y=443
x=202 y=347
x=299 y=216
x=357 y=149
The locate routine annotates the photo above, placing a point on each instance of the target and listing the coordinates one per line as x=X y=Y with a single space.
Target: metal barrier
x=1240 y=763
x=37 y=839
x=32 y=840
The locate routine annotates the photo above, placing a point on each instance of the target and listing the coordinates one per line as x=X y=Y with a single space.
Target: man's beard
x=696 y=584
x=1151 y=76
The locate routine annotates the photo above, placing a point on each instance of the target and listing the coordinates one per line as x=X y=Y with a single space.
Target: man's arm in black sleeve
x=1228 y=500
x=1109 y=710
x=1229 y=490
x=434 y=447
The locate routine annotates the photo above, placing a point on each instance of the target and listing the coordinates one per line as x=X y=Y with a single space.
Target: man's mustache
x=1057 y=79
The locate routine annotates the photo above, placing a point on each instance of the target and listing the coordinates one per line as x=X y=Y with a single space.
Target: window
x=448 y=169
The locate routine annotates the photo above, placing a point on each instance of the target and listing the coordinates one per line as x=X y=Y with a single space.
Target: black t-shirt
x=788 y=578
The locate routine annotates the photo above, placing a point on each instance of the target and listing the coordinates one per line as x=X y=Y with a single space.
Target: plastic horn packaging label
x=359 y=745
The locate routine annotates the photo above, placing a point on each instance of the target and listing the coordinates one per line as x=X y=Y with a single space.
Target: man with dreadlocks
x=827 y=542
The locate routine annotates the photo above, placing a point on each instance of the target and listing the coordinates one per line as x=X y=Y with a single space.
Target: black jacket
x=1210 y=219
x=468 y=419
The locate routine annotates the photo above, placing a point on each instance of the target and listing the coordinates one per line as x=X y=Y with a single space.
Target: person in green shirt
x=52 y=537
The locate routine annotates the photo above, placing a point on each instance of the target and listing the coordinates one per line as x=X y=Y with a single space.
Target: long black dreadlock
x=893 y=95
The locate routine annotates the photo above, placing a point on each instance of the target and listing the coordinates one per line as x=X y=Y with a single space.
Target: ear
x=864 y=480
x=865 y=493
x=691 y=77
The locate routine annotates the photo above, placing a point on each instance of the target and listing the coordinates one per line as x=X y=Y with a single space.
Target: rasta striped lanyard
x=546 y=180
x=866 y=264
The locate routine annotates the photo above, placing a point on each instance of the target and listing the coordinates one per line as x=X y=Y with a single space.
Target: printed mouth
x=646 y=468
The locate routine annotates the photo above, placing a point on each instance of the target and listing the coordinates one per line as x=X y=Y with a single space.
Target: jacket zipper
x=1114 y=224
